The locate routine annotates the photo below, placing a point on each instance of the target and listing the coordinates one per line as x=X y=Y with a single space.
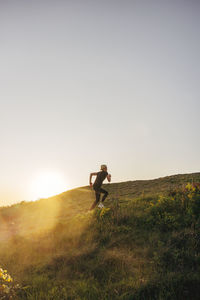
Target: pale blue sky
x=91 y=82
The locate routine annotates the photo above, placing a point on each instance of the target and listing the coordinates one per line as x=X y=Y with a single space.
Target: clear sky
x=89 y=82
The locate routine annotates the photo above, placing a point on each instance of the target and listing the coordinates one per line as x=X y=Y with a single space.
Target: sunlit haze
x=47 y=184
x=85 y=83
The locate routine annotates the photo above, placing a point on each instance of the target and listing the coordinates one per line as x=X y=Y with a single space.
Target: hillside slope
x=31 y=216
x=144 y=245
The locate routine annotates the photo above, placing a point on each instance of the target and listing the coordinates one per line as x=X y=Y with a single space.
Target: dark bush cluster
x=180 y=208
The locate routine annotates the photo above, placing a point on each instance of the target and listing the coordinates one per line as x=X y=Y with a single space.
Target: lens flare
x=47 y=184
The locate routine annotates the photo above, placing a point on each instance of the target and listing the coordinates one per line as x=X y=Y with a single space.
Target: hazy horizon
x=91 y=82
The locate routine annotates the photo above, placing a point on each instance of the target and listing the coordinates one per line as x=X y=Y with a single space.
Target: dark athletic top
x=99 y=179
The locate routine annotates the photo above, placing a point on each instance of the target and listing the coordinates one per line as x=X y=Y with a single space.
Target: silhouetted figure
x=101 y=176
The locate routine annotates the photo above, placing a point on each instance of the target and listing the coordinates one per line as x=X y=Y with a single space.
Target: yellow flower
x=104 y=211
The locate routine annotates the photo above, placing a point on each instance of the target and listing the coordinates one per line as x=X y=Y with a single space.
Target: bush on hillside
x=179 y=209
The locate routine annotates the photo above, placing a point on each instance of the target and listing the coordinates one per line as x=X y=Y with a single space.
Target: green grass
x=144 y=245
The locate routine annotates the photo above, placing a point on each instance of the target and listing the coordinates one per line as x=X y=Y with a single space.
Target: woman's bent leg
x=105 y=194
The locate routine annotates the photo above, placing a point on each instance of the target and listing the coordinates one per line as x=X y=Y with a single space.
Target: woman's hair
x=103 y=167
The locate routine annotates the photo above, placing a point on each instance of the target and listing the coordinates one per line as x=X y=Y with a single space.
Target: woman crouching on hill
x=103 y=174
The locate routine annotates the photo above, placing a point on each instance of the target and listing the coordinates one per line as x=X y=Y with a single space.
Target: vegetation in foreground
x=145 y=247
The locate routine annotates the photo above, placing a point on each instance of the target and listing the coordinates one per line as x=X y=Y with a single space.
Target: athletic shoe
x=100 y=205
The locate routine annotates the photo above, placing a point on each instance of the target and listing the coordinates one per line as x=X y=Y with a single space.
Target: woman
x=103 y=174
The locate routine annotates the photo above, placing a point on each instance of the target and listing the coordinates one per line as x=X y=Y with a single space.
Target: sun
x=47 y=184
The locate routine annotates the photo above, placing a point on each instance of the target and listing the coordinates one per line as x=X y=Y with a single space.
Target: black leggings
x=98 y=195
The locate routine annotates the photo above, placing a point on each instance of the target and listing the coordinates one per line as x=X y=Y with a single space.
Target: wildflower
x=104 y=211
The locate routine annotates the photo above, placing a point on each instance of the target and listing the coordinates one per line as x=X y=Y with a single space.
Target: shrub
x=178 y=209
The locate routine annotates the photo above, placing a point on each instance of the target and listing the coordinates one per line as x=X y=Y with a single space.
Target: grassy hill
x=144 y=245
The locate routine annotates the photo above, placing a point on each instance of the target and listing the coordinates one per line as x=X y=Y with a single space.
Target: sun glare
x=47 y=184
